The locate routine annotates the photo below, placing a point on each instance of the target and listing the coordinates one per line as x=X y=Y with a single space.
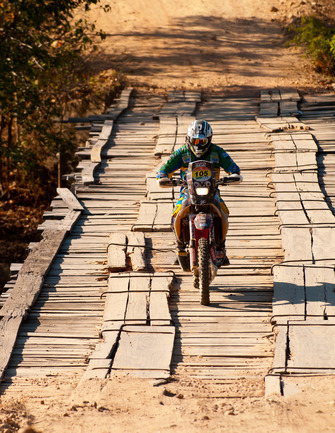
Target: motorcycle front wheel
x=204 y=270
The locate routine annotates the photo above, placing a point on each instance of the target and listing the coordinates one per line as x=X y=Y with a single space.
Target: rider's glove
x=233 y=178
x=163 y=180
x=237 y=177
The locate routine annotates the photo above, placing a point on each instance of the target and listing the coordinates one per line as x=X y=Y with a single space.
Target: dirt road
x=223 y=46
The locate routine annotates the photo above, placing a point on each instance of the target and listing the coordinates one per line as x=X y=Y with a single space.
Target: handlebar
x=227 y=180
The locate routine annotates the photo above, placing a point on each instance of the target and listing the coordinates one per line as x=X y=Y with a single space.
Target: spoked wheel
x=204 y=270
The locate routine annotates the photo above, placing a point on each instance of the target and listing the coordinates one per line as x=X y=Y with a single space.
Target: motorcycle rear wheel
x=204 y=270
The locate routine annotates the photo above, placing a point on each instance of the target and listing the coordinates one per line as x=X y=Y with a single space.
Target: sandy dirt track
x=221 y=46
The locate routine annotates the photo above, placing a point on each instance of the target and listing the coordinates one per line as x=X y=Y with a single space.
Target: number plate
x=201 y=173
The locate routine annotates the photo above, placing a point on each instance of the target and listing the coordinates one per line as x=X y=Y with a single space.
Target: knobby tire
x=204 y=270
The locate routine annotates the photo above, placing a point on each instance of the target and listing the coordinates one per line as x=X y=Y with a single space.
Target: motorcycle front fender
x=203 y=221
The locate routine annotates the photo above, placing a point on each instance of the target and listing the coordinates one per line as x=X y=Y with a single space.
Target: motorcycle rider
x=199 y=146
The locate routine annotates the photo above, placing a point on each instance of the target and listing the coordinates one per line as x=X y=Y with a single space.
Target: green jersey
x=180 y=159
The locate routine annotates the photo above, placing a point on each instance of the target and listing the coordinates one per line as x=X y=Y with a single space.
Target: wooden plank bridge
x=101 y=294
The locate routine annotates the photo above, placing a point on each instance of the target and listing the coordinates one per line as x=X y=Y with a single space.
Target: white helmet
x=199 y=137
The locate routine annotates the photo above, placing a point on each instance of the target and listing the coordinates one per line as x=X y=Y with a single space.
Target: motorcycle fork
x=212 y=244
x=193 y=245
x=195 y=235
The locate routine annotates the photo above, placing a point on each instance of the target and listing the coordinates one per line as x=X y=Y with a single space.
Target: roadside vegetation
x=44 y=78
x=318 y=39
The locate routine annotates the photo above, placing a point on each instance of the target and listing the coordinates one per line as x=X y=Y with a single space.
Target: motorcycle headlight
x=202 y=191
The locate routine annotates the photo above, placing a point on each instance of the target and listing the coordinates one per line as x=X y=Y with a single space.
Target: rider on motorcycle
x=199 y=146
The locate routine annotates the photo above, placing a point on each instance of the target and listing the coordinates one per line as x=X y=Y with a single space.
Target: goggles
x=199 y=141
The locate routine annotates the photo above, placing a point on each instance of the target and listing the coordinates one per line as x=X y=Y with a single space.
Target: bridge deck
x=95 y=319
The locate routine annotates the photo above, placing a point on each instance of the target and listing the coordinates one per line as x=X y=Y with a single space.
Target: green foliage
x=41 y=72
x=319 y=42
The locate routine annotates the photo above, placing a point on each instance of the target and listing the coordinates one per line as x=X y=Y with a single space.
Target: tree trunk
x=1 y=156
x=9 y=148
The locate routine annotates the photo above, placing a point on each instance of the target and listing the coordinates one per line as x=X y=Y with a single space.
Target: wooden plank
x=288 y=94
x=315 y=293
x=175 y=95
x=288 y=294
x=106 y=131
x=228 y=333
x=124 y=98
x=320 y=296
x=228 y=350
x=26 y=291
x=142 y=374
x=183 y=124
x=311 y=347
x=9 y=327
x=155 y=192
x=297 y=242
x=70 y=219
x=290 y=209
x=272 y=385
x=275 y=95
x=136 y=250
x=36 y=266
x=139 y=275
x=104 y=349
x=48 y=225
x=288 y=108
x=117 y=246
x=165 y=145
x=162 y=282
x=97 y=369
x=193 y=96
x=87 y=173
x=305 y=144
x=122 y=105
x=328 y=282
x=285 y=161
x=145 y=348
x=162 y=221
x=146 y=217
x=268 y=109
x=275 y=124
x=139 y=289
x=116 y=300
x=96 y=151
x=70 y=200
x=159 y=310
x=282 y=145
x=140 y=282
x=280 y=355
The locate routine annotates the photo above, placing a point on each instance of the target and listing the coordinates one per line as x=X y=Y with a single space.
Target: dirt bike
x=199 y=223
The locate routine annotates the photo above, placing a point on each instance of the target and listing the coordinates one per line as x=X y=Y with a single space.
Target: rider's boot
x=183 y=257
x=221 y=255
